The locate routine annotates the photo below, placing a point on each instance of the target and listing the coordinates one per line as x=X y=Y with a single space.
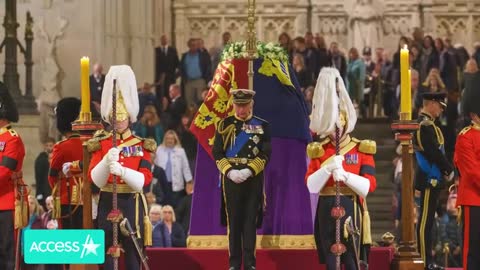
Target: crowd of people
x=372 y=79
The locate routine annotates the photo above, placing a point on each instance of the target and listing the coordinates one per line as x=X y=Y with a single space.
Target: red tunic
x=467 y=161
x=68 y=150
x=355 y=162
x=139 y=163
x=12 y=152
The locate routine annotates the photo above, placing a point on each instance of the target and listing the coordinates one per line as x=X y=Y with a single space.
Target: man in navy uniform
x=433 y=170
x=241 y=151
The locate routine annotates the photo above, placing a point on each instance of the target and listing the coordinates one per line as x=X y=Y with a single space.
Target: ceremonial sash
x=240 y=140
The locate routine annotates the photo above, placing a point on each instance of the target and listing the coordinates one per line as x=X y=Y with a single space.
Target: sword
x=354 y=233
x=127 y=230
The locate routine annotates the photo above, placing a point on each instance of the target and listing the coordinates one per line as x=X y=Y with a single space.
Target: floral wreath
x=269 y=50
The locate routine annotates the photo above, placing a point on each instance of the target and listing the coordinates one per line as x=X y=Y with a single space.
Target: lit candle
x=85 y=84
x=405 y=88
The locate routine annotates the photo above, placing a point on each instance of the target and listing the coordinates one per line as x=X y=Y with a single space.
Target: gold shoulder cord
x=228 y=134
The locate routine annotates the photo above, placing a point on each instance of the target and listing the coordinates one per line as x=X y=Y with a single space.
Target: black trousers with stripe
x=7 y=242
x=242 y=203
x=428 y=206
x=471 y=235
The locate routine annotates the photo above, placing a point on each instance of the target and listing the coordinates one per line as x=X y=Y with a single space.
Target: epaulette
x=367 y=147
x=150 y=145
x=61 y=141
x=315 y=149
x=13 y=132
x=465 y=130
x=261 y=119
x=94 y=143
x=426 y=122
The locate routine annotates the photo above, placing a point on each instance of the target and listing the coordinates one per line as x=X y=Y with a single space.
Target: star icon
x=89 y=247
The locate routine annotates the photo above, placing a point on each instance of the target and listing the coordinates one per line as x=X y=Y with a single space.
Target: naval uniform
x=241 y=144
x=429 y=144
x=358 y=160
x=135 y=154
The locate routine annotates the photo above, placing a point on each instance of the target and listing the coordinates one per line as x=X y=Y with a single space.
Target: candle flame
x=405 y=47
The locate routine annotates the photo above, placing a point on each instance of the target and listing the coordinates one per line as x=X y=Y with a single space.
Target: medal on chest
x=132 y=151
x=351 y=159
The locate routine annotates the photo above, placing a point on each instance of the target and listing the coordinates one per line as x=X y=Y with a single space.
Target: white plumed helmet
x=327 y=102
x=127 y=94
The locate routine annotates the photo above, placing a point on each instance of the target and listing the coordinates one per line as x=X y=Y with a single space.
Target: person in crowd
x=97 y=79
x=434 y=83
x=338 y=60
x=176 y=108
x=356 y=74
x=34 y=222
x=286 y=43
x=371 y=84
x=476 y=52
x=388 y=88
x=451 y=235
x=184 y=208
x=433 y=170
x=160 y=234
x=429 y=58
x=303 y=76
x=217 y=52
x=166 y=67
x=172 y=158
x=174 y=230
x=188 y=140
x=309 y=97
x=322 y=52
x=402 y=42
x=195 y=69
x=42 y=165
x=471 y=76
x=149 y=125
x=147 y=97
x=155 y=192
x=309 y=56
x=447 y=66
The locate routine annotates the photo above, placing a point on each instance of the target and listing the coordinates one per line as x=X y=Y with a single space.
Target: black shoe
x=433 y=266
x=250 y=268
x=233 y=268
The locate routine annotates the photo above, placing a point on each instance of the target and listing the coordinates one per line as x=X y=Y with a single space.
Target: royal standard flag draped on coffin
x=278 y=98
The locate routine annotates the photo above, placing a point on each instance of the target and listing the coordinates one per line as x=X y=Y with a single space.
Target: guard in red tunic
x=354 y=168
x=65 y=173
x=467 y=161
x=12 y=152
x=129 y=161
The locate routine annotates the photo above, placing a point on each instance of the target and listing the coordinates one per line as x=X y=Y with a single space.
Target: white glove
x=246 y=173
x=450 y=176
x=117 y=169
x=340 y=175
x=113 y=155
x=235 y=176
x=335 y=163
x=100 y=173
x=66 y=168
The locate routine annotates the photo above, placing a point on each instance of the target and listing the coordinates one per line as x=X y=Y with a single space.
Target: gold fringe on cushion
x=366 y=229
x=263 y=241
x=459 y=216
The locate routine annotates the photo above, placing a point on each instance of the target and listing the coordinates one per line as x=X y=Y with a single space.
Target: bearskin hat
x=67 y=111
x=471 y=94
x=8 y=108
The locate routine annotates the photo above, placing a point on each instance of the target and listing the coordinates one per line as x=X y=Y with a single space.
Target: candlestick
x=85 y=88
x=405 y=88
